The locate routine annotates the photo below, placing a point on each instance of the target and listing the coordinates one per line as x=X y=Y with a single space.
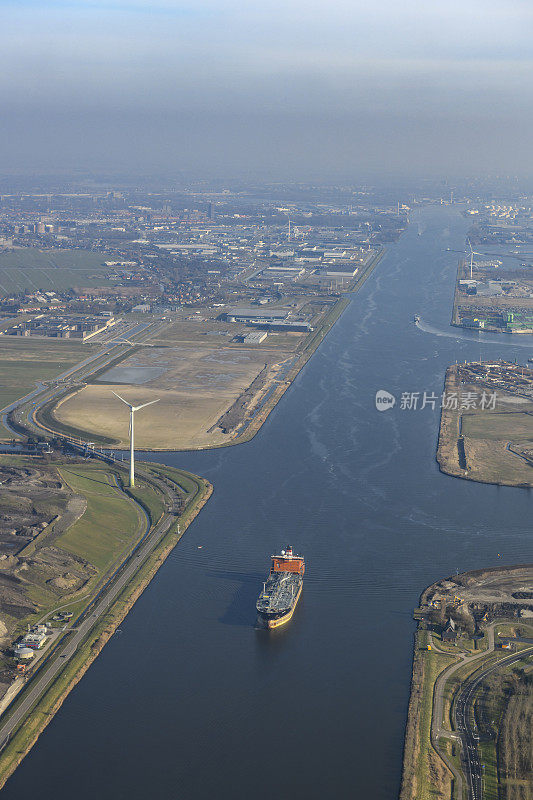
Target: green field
x=29 y=269
x=24 y=362
x=498 y=425
x=109 y=526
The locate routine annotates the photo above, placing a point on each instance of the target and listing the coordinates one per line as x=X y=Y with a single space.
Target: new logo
x=384 y=400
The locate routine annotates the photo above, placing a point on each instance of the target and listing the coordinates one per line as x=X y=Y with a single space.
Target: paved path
x=465 y=724
x=465 y=733
x=437 y=721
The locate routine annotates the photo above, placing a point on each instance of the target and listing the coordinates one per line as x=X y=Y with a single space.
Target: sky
x=296 y=89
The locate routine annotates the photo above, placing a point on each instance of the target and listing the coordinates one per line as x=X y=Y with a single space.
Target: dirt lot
x=36 y=507
x=195 y=387
x=506 y=589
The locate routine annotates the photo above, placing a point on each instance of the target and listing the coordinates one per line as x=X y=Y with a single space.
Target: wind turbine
x=472 y=254
x=133 y=409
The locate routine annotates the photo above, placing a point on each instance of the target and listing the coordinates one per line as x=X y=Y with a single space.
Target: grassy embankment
x=109 y=528
x=425 y=776
x=455 y=320
x=475 y=444
x=198 y=492
x=110 y=522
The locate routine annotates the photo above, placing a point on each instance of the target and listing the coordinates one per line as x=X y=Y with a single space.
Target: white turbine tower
x=133 y=409
x=472 y=254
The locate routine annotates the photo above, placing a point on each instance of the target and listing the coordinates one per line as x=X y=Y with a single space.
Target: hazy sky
x=303 y=88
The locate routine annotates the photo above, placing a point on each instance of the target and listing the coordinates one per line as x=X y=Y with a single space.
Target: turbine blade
x=121 y=398
x=137 y=408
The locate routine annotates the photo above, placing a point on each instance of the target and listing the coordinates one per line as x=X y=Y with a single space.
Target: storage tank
x=24 y=652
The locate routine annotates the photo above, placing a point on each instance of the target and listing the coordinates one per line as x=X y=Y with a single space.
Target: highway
x=463 y=716
x=437 y=721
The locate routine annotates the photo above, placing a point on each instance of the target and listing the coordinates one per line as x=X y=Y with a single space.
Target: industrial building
x=296 y=326
x=273 y=319
x=34 y=639
x=254 y=337
x=256 y=314
x=66 y=326
x=279 y=272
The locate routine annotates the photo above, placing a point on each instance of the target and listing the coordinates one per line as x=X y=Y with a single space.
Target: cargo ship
x=276 y=603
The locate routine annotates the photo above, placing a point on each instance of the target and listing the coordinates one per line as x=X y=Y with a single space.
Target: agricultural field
x=29 y=269
x=500 y=425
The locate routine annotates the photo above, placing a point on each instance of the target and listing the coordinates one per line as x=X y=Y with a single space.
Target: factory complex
x=64 y=326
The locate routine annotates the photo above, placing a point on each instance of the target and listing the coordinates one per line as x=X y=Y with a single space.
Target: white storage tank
x=25 y=653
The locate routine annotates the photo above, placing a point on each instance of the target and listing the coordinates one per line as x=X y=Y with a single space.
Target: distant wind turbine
x=472 y=254
x=133 y=409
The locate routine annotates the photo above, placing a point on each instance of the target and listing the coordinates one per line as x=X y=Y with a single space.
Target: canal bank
x=187 y=699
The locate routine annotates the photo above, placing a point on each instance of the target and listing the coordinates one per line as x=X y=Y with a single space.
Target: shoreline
x=447 y=454
x=14 y=750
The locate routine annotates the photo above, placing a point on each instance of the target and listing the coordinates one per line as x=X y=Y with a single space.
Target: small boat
x=416 y=319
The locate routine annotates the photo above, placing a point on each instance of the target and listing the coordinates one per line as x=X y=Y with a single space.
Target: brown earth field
x=195 y=386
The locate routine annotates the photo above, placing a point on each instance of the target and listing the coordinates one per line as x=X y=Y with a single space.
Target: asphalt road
x=437 y=729
x=465 y=725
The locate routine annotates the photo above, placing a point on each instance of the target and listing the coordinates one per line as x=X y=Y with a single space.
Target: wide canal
x=189 y=700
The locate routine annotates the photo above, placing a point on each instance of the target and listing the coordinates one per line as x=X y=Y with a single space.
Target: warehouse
x=254 y=337
x=248 y=314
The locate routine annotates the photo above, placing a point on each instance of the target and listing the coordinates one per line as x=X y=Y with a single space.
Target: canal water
x=189 y=700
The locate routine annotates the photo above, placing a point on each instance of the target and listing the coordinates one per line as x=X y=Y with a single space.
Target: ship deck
x=280 y=593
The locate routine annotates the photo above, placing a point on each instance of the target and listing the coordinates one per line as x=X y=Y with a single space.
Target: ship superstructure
x=276 y=603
